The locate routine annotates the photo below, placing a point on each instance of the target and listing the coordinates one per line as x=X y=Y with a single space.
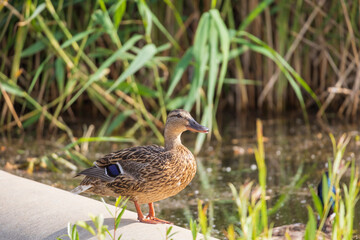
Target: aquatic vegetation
x=100 y=230
x=253 y=211
x=125 y=63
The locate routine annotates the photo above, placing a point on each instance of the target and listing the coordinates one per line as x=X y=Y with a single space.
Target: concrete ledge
x=31 y=210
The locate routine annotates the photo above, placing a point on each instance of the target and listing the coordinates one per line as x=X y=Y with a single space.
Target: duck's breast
x=169 y=177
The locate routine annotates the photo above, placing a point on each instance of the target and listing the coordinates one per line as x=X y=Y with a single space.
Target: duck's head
x=178 y=121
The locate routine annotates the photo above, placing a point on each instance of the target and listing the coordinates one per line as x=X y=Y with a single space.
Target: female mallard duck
x=146 y=174
x=297 y=231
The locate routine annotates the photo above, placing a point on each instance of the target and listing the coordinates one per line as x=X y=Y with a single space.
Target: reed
x=129 y=62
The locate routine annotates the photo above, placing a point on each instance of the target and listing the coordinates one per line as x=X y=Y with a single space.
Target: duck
x=297 y=231
x=146 y=174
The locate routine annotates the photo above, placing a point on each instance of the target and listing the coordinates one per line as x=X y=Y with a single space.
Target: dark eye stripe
x=177 y=116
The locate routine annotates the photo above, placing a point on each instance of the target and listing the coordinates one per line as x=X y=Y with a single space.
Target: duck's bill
x=196 y=127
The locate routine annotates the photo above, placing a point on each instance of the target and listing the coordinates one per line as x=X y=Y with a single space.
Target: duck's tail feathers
x=80 y=189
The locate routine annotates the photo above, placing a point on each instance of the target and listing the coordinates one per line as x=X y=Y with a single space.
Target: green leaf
x=123 y=203
x=176 y=103
x=69 y=230
x=100 y=72
x=76 y=38
x=49 y=164
x=98 y=221
x=118 y=200
x=310 y=232
x=101 y=18
x=146 y=17
x=119 y=12
x=286 y=69
x=31 y=120
x=98 y=139
x=12 y=89
x=213 y=68
x=141 y=59
x=64 y=162
x=74 y=233
x=92 y=38
x=242 y=81
x=32 y=49
x=325 y=190
x=37 y=74
x=237 y=51
x=140 y=89
x=60 y=74
x=317 y=203
x=202 y=219
x=79 y=158
x=118 y=218
x=168 y=231
x=164 y=31
x=107 y=208
x=86 y=226
x=224 y=46
x=193 y=228
x=201 y=55
x=37 y=11
x=179 y=70
x=254 y=13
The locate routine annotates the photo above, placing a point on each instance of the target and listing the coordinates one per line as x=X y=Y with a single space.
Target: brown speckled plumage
x=151 y=173
x=147 y=173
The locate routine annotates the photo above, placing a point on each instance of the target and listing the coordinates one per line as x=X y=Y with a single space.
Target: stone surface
x=31 y=210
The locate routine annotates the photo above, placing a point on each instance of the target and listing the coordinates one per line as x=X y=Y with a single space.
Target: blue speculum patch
x=113 y=170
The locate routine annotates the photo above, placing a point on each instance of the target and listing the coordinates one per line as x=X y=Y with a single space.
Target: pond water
x=291 y=147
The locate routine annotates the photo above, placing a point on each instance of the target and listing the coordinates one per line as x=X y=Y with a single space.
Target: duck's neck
x=172 y=139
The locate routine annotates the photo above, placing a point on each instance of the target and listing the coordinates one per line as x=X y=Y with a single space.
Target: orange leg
x=151 y=217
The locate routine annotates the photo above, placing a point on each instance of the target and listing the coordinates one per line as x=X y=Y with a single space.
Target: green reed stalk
x=260 y=161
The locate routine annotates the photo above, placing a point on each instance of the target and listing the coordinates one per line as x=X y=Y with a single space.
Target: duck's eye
x=112 y=170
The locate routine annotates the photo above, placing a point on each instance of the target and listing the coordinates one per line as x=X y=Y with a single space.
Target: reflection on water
x=289 y=145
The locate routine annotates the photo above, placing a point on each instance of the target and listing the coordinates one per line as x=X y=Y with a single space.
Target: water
x=289 y=146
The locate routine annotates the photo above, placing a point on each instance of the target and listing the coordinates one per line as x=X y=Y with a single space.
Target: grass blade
x=76 y=38
x=100 y=72
x=98 y=139
x=179 y=70
x=141 y=59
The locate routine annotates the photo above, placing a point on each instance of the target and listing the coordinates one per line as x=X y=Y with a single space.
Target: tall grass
x=132 y=61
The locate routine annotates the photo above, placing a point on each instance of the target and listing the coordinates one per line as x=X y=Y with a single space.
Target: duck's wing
x=131 y=161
